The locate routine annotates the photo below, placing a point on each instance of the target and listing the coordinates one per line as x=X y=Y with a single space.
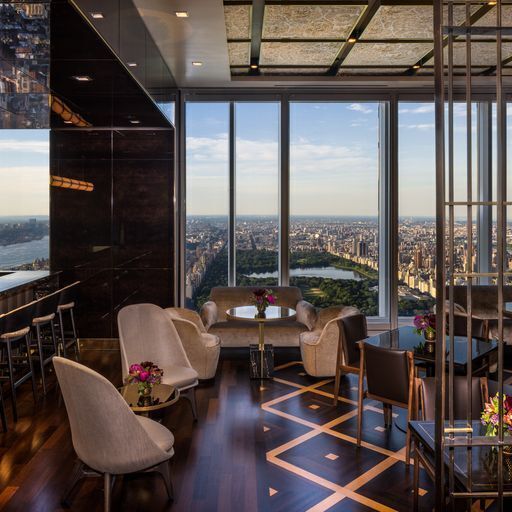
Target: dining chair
x=425 y=403
x=390 y=380
x=479 y=326
x=45 y=310
x=108 y=438
x=352 y=329
x=15 y=344
x=146 y=333
x=202 y=349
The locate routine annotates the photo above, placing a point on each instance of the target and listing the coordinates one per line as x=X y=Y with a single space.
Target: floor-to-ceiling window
x=256 y=180
x=334 y=203
x=207 y=199
x=24 y=199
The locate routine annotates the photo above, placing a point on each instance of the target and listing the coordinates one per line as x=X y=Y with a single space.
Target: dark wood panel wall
x=118 y=238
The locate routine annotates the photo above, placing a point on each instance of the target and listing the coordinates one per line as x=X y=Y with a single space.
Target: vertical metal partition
x=469 y=465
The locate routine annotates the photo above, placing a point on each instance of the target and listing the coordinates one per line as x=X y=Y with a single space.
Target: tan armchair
x=108 y=438
x=202 y=349
x=319 y=347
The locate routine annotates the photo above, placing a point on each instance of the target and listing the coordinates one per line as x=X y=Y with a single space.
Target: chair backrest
x=387 y=373
x=18 y=319
x=352 y=330
x=146 y=333
x=106 y=434
x=479 y=326
x=69 y=294
x=46 y=306
x=490 y=388
x=427 y=398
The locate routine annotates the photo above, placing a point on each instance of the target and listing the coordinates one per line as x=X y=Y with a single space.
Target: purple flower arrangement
x=490 y=415
x=425 y=324
x=262 y=298
x=146 y=375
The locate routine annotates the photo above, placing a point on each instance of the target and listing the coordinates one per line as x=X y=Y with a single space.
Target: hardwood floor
x=283 y=448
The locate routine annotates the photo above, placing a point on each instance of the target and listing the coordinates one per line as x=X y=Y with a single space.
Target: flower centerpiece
x=490 y=416
x=146 y=375
x=426 y=325
x=262 y=299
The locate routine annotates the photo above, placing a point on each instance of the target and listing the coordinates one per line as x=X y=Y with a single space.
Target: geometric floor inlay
x=312 y=451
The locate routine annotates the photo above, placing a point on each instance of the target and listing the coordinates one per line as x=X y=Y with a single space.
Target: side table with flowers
x=146 y=375
x=262 y=298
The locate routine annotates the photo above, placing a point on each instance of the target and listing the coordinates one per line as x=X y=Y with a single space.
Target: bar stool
x=67 y=302
x=44 y=315
x=15 y=332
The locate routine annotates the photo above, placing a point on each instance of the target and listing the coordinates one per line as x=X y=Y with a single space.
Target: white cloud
x=422 y=109
x=27 y=146
x=360 y=107
x=419 y=126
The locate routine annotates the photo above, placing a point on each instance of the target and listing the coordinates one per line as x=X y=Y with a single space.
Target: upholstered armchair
x=202 y=349
x=319 y=347
x=147 y=334
x=108 y=438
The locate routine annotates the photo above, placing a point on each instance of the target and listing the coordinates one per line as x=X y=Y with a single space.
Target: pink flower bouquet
x=145 y=374
x=262 y=299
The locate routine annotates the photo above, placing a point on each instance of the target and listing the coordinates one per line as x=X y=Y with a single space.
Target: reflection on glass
x=257 y=186
x=334 y=179
x=24 y=199
x=207 y=164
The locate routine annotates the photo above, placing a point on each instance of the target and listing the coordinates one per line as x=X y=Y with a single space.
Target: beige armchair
x=107 y=436
x=147 y=334
x=319 y=347
x=202 y=349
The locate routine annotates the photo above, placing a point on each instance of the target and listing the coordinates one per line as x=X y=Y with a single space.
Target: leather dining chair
x=390 y=380
x=425 y=403
x=352 y=329
x=108 y=438
x=146 y=333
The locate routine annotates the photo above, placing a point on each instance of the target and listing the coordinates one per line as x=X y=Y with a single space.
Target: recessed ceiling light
x=134 y=121
x=254 y=66
x=352 y=40
x=131 y=64
x=416 y=66
x=97 y=15
x=197 y=63
x=82 y=78
x=68 y=122
x=181 y=14
x=492 y=3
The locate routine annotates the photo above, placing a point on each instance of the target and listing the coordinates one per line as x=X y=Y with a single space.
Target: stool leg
x=75 y=335
x=11 y=380
x=54 y=339
x=2 y=410
x=62 y=337
x=32 y=374
x=41 y=356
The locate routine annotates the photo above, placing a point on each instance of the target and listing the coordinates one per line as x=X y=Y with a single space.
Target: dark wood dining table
x=405 y=338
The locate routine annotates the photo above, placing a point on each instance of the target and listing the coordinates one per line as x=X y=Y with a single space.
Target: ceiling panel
x=489 y=19
x=310 y=21
x=294 y=71
x=374 y=54
x=371 y=71
x=239 y=54
x=238 y=21
x=406 y=22
x=482 y=54
x=295 y=54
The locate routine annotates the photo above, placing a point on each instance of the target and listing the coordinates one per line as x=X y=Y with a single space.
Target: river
x=324 y=272
x=17 y=254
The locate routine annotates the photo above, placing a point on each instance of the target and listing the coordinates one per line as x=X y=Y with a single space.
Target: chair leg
x=11 y=380
x=54 y=339
x=75 y=335
x=190 y=395
x=107 y=491
x=31 y=367
x=41 y=356
x=164 y=470
x=62 y=337
x=388 y=415
x=2 y=410
x=336 y=386
x=408 y=446
x=359 y=411
x=416 y=479
x=76 y=476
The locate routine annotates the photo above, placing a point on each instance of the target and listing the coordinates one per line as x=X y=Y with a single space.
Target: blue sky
x=24 y=172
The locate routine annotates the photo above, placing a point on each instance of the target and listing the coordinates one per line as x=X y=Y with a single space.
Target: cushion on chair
x=179 y=376
x=161 y=436
x=210 y=340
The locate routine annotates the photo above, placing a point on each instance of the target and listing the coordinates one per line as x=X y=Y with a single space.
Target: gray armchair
x=202 y=349
x=147 y=334
x=108 y=438
x=319 y=347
